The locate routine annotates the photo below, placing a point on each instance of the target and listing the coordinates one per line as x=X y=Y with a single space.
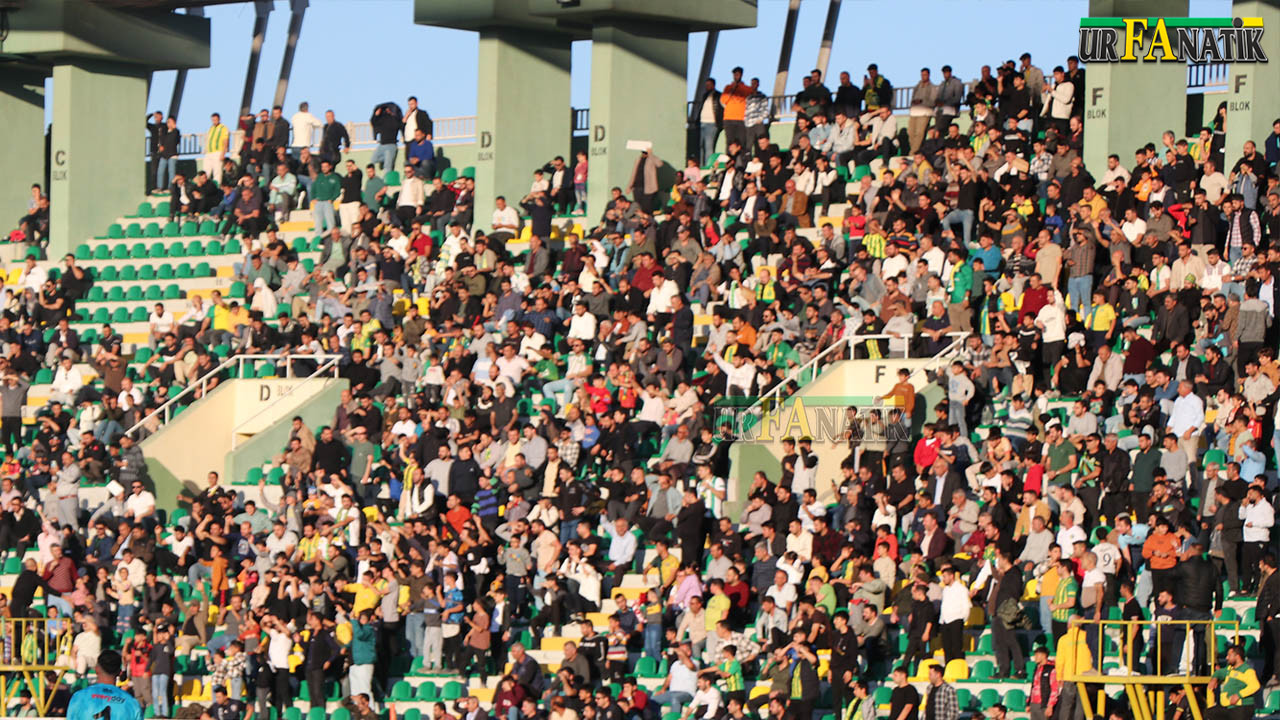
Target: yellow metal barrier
x=1143 y=684
x=34 y=652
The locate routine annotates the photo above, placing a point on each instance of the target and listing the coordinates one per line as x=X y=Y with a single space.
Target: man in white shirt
x=413 y=196
x=304 y=127
x=506 y=221
x=1258 y=517
x=706 y=700
x=1058 y=102
x=33 y=276
x=160 y=323
x=1115 y=171
x=582 y=325
x=66 y=383
x=140 y=504
x=884 y=128
x=1214 y=184
x=953 y=614
x=1187 y=419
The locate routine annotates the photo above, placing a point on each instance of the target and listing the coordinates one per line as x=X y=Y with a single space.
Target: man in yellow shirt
x=1100 y=321
x=1074 y=658
x=216 y=141
x=366 y=594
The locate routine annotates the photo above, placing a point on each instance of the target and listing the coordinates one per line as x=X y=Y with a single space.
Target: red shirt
x=1032 y=300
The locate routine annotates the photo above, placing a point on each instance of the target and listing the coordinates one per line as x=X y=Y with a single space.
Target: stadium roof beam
x=261 y=14
x=828 y=37
x=101 y=57
x=298 y=12
x=784 y=54
x=180 y=82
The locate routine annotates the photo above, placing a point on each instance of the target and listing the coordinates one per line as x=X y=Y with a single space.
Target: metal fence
x=1201 y=77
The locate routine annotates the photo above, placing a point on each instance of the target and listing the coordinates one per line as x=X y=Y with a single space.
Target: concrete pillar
x=638 y=89
x=96 y=157
x=1118 y=97
x=1253 y=103
x=522 y=112
x=22 y=117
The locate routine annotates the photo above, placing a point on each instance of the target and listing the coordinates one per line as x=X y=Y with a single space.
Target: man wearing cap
x=103 y=699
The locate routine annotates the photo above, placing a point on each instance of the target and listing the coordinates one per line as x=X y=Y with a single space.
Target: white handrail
x=330 y=364
x=202 y=382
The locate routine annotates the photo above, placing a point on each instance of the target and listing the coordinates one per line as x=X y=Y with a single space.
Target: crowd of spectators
x=509 y=452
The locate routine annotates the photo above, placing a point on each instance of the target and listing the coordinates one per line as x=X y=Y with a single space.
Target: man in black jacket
x=1267 y=612
x=18 y=529
x=690 y=530
x=1199 y=591
x=387 y=122
x=321 y=653
x=155 y=128
x=333 y=138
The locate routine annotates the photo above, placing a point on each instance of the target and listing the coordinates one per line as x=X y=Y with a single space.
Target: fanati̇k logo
x=1172 y=39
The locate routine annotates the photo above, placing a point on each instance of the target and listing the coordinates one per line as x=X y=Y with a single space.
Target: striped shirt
x=1065 y=594
x=216 y=139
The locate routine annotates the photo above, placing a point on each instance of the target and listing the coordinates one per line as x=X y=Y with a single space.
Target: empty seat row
x=163 y=271
x=142 y=251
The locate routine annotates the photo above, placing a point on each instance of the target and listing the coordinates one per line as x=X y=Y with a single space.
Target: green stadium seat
x=83 y=251
x=254 y=476
x=109 y=274
x=157 y=250
x=133 y=231
x=172 y=292
x=96 y=294
x=129 y=273
x=292 y=713
x=134 y=293
x=213 y=248
x=964 y=698
x=266 y=370
x=300 y=245
x=154 y=293
x=208 y=227
x=101 y=316
x=469 y=172
x=172 y=229
x=426 y=692
x=165 y=272
x=1015 y=700
x=195 y=248
x=203 y=270
x=121 y=315
x=142 y=354
x=44 y=376
x=138 y=251
x=152 y=230
x=162 y=209
x=454 y=691
x=308 y=264
x=101 y=252
x=341 y=713
x=140 y=314
x=190 y=229
x=988 y=697
x=237 y=290
x=146 y=210
x=184 y=271
x=402 y=691
x=233 y=247
x=983 y=669
x=115 y=231
x=89 y=337
x=449 y=175
x=177 y=250
x=119 y=252
x=392 y=178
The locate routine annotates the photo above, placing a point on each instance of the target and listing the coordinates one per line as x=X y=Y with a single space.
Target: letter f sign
x=1133 y=28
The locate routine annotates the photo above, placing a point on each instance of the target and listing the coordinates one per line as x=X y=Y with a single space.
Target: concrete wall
x=316 y=411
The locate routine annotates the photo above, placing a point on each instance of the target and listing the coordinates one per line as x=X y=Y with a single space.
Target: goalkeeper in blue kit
x=103 y=700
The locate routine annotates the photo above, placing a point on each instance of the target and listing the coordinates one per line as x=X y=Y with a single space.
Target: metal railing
x=329 y=365
x=201 y=384
x=445 y=131
x=1207 y=76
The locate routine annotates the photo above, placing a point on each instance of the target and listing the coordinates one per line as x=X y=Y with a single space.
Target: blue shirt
x=423 y=151
x=103 y=702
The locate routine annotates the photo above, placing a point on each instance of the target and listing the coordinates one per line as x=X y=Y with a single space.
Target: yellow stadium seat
x=15 y=274
x=757 y=691
x=956 y=670
x=553 y=644
x=483 y=694
x=977 y=617
x=922 y=670
x=1031 y=591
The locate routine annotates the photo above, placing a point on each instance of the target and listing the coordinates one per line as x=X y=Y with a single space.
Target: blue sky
x=354 y=54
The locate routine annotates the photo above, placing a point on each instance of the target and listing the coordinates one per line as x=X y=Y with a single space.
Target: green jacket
x=364 y=643
x=961 y=283
x=326 y=187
